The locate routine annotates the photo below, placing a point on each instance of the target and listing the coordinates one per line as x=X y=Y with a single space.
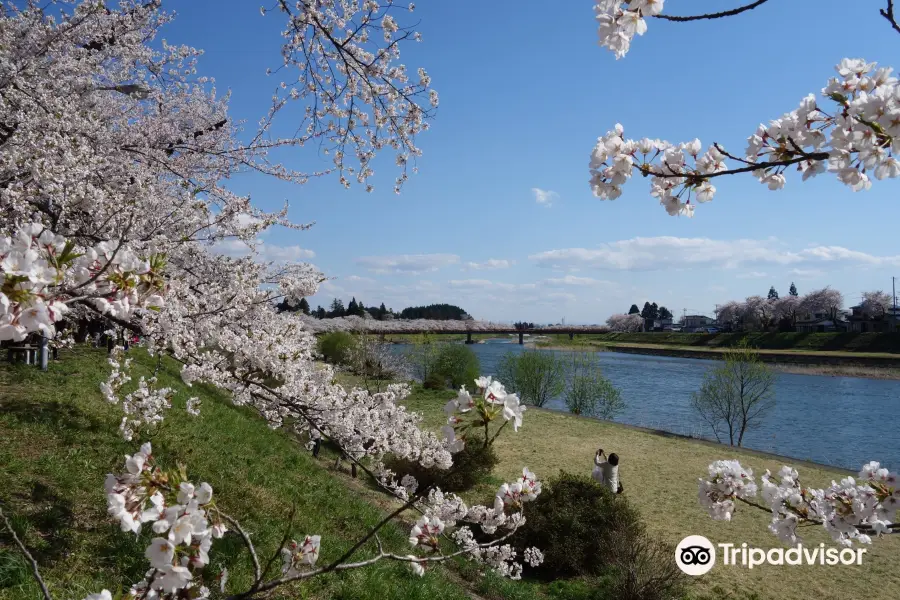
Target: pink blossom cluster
x=851 y=510
x=41 y=273
x=467 y=415
x=727 y=481
x=622 y=323
x=441 y=511
x=618 y=21
x=142 y=407
x=179 y=513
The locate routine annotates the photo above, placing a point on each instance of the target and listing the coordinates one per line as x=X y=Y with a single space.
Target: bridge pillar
x=521 y=339
x=381 y=337
x=571 y=335
x=469 y=337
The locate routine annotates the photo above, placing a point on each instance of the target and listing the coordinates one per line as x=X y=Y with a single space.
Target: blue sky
x=525 y=92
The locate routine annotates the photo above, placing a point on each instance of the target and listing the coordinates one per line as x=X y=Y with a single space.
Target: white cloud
x=752 y=275
x=806 y=273
x=490 y=264
x=577 y=281
x=668 y=253
x=544 y=197
x=266 y=252
x=358 y=279
x=486 y=285
x=410 y=264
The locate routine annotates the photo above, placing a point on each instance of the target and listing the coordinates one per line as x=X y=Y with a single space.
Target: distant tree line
x=651 y=311
x=435 y=312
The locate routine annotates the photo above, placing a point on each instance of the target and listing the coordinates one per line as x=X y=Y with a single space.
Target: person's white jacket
x=606 y=474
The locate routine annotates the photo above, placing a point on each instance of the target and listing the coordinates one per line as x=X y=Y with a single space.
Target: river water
x=840 y=421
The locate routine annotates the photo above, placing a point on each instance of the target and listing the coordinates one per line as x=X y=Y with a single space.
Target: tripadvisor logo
x=696 y=555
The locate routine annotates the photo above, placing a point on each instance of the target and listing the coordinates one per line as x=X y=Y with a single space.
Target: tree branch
x=889 y=15
x=257 y=571
x=718 y=15
x=24 y=550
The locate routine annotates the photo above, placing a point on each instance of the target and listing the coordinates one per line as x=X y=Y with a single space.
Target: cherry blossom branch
x=718 y=15
x=33 y=563
x=808 y=521
x=751 y=167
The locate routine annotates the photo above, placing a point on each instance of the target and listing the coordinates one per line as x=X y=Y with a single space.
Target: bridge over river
x=496 y=330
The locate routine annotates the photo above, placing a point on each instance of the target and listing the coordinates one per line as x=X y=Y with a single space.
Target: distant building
x=820 y=322
x=693 y=323
x=861 y=322
x=658 y=324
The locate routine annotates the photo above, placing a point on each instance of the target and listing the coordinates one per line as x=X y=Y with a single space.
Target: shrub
x=434 y=382
x=585 y=531
x=335 y=346
x=457 y=365
x=642 y=569
x=534 y=375
x=573 y=521
x=471 y=466
x=588 y=392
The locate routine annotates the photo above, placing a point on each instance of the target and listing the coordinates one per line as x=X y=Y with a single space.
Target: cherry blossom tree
x=625 y=323
x=826 y=300
x=731 y=313
x=876 y=304
x=758 y=311
x=786 y=308
x=115 y=157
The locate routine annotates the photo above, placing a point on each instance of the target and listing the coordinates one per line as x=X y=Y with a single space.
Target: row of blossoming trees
x=114 y=160
x=762 y=313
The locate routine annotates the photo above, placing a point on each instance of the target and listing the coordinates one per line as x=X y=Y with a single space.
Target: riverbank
x=59 y=438
x=845 y=342
x=659 y=472
x=827 y=363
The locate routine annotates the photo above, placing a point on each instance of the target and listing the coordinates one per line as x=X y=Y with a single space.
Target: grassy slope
x=58 y=439
x=855 y=343
x=659 y=474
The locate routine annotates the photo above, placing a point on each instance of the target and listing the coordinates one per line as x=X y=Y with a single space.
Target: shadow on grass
x=61 y=416
x=45 y=520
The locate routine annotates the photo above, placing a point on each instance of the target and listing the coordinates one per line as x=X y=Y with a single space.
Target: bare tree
x=736 y=396
x=536 y=376
x=588 y=392
x=376 y=362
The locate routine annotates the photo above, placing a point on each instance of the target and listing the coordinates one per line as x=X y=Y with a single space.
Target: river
x=840 y=421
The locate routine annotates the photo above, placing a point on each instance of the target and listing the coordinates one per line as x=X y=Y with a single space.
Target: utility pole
x=894 y=285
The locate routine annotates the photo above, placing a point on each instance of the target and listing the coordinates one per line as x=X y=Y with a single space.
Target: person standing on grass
x=606 y=471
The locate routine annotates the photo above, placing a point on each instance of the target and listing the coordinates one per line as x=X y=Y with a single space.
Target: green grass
x=866 y=343
x=58 y=439
x=660 y=477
